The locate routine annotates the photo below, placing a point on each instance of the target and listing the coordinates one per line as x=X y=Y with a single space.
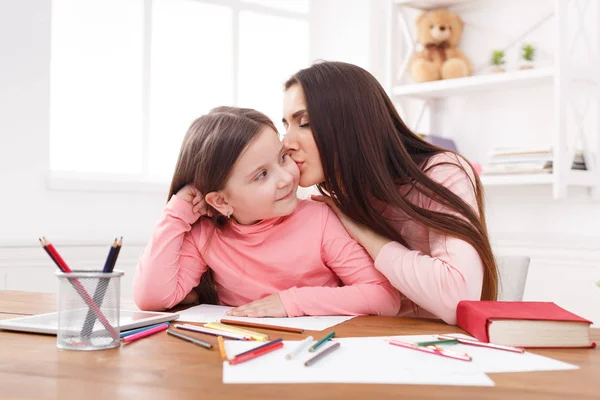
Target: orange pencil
x=222 y=348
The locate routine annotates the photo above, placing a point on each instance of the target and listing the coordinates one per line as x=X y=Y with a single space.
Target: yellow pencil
x=222 y=348
x=227 y=328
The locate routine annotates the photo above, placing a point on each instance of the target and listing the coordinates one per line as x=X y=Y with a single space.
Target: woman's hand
x=367 y=238
x=193 y=196
x=270 y=306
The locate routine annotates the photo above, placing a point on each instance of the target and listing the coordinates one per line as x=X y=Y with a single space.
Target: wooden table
x=163 y=367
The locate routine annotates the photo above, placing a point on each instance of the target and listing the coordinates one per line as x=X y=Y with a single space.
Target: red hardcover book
x=523 y=324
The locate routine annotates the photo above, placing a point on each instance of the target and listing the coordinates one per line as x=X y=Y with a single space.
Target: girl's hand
x=269 y=306
x=193 y=196
x=367 y=238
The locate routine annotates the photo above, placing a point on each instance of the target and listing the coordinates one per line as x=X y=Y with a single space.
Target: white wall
x=28 y=209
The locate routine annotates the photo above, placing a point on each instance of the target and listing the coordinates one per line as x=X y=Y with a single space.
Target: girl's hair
x=210 y=149
x=367 y=151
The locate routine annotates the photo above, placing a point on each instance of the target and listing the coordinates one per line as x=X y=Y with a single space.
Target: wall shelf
x=479 y=83
x=432 y=4
x=564 y=78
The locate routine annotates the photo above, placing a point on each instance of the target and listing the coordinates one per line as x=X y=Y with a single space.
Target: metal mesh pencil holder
x=88 y=310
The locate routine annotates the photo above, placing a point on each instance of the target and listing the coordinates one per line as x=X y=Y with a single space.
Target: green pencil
x=320 y=342
x=433 y=342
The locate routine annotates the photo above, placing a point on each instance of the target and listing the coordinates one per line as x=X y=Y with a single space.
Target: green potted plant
x=527 y=56
x=497 y=61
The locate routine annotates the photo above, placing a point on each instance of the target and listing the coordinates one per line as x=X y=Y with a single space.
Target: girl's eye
x=261 y=176
x=284 y=156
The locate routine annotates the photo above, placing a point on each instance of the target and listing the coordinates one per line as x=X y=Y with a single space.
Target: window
x=128 y=77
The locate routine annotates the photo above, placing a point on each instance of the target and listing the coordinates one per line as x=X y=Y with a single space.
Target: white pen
x=301 y=346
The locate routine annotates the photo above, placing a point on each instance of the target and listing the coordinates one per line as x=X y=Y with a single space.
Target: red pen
x=254 y=354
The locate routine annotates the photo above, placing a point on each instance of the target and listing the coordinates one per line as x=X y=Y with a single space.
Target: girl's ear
x=218 y=201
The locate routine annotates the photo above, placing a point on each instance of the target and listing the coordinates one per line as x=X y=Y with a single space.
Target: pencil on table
x=222 y=348
x=261 y=326
x=145 y=333
x=255 y=353
x=271 y=343
x=227 y=328
x=213 y=332
x=322 y=354
x=321 y=342
x=301 y=346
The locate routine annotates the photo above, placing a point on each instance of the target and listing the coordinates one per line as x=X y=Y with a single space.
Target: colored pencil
x=483 y=344
x=261 y=326
x=62 y=265
x=134 y=331
x=254 y=335
x=322 y=354
x=271 y=343
x=190 y=339
x=321 y=342
x=213 y=332
x=438 y=351
x=145 y=333
x=222 y=348
x=114 y=260
x=255 y=354
x=301 y=346
x=109 y=258
x=435 y=342
x=101 y=287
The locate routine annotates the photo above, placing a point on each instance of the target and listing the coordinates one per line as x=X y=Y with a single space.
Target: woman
x=417 y=209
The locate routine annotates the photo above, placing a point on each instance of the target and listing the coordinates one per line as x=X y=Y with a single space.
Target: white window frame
x=142 y=183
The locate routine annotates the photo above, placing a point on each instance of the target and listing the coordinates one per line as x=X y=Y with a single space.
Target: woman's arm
x=171 y=265
x=365 y=290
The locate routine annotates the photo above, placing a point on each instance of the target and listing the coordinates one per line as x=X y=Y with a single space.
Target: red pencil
x=62 y=265
x=254 y=354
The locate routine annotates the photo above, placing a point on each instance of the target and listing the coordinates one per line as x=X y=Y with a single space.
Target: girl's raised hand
x=193 y=196
x=270 y=306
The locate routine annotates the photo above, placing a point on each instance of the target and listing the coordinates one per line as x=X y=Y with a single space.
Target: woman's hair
x=210 y=149
x=367 y=151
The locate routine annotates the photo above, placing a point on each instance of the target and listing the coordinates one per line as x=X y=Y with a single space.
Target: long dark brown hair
x=367 y=151
x=210 y=149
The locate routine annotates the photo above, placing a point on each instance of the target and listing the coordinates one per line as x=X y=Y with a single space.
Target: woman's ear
x=218 y=201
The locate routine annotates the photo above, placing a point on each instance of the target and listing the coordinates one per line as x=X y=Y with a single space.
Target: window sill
x=116 y=183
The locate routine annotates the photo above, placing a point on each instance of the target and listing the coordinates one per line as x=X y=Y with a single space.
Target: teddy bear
x=439 y=32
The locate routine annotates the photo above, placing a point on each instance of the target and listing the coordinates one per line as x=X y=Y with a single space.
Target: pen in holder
x=78 y=312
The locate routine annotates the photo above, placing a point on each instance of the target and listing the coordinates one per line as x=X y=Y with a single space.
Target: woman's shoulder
x=449 y=168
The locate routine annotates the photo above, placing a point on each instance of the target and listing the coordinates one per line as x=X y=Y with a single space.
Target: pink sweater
x=306 y=257
x=436 y=271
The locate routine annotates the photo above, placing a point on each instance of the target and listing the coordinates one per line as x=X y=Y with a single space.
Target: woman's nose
x=289 y=140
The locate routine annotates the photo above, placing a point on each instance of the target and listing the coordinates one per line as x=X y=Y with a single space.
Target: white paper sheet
x=497 y=361
x=211 y=313
x=358 y=360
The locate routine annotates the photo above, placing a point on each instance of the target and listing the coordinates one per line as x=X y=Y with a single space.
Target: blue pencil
x=134 y=331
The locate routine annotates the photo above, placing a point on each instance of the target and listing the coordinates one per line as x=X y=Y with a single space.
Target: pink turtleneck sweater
x=435 y=271
x=307 y=257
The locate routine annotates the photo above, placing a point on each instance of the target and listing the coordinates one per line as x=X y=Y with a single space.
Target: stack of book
x=525 y=161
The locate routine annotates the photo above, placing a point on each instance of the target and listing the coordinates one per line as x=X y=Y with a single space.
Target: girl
x=416 y=208
x=261 y=241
